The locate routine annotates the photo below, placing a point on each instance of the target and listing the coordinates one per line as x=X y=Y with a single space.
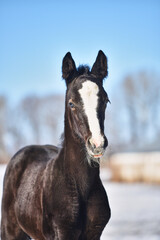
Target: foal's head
x=86 y=102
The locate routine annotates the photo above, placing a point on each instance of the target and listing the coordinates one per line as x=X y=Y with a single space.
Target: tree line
x=132 y=121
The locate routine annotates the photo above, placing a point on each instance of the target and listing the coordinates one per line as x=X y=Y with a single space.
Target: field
x=135 y=210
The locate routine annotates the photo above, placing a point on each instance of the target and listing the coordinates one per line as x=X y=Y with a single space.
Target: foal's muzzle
x=96 y=150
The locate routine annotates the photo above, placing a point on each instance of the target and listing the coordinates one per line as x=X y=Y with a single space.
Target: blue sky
x=35 y=36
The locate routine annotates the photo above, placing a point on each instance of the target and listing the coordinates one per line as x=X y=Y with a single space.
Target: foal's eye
x=72 y=106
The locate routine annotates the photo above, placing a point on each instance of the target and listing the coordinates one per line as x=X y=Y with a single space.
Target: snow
x=135 y=210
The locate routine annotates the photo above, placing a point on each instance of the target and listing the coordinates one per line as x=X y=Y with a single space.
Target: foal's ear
x=68 y=68
x=100 y=67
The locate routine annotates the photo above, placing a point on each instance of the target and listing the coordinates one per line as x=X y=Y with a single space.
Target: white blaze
x=89 y=95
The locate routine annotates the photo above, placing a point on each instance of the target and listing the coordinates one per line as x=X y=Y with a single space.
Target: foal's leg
x=11 y=231
x=98 y=213
x=62 y=233
x=59 y=229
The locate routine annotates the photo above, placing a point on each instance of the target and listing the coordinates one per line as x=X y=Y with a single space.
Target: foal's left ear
x=100 y=67
x=68 y=68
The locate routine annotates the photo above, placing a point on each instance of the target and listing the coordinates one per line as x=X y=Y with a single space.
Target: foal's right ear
x=68 y=68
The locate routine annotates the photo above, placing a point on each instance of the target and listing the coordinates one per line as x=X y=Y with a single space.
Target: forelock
x=83 y=70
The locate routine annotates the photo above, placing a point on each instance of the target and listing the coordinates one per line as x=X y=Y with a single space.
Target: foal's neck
x=75 y=153
x=75 y=156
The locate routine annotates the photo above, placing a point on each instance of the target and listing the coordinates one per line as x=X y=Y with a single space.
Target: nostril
x=95 y=143
x=90 y=144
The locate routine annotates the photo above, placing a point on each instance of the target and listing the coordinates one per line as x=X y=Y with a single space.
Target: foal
x=57 y=194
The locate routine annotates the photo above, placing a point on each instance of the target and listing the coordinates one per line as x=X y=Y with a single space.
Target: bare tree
x=133 y=120
x=15 y=127
x=2 y=121
x=44 y=117
x=30 y=108
x=142 y=99
x=3 y=127
x=53 y=110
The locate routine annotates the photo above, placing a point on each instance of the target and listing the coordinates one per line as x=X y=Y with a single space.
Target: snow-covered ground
x=135 y=210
